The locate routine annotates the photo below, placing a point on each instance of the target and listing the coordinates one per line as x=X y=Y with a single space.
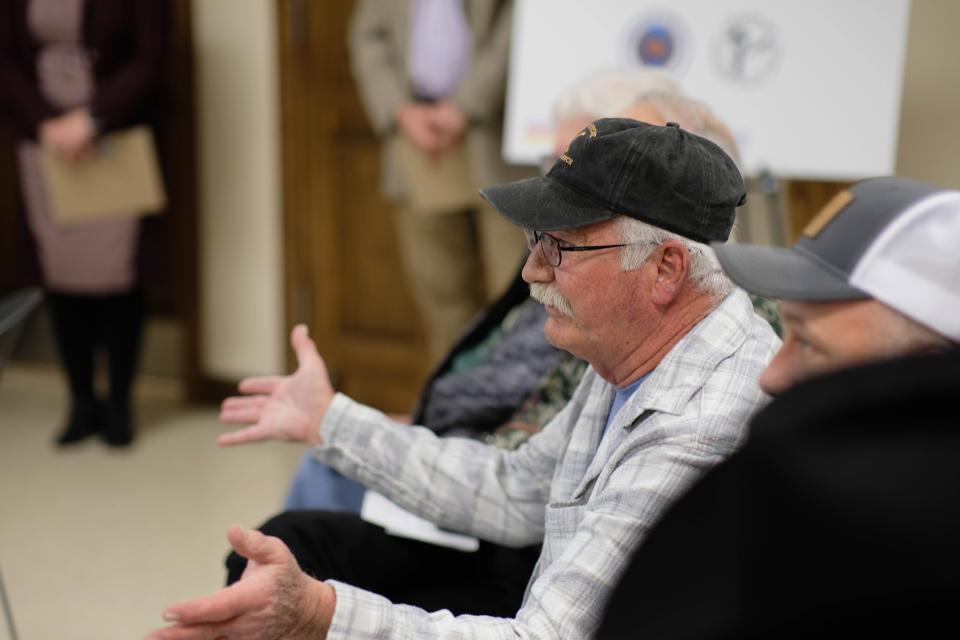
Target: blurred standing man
x=432 y=77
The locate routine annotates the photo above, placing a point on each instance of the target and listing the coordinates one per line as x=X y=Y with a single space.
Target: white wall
x=241 y=269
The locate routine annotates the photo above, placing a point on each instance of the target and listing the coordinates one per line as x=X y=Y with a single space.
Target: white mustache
x=547 y=295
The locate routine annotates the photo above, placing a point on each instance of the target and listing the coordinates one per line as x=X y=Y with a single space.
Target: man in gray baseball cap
x=840 y=511
x=875 y=275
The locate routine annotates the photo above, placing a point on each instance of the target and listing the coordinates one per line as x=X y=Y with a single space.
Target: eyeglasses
x=552 y=250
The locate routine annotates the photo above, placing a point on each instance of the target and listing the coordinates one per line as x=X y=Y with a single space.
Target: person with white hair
x=674 y=353
x=647 y=95
x=490 y=396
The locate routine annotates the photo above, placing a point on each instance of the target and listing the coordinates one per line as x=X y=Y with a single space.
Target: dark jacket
x=839 y=517
x=126 y=39
x=480 y=327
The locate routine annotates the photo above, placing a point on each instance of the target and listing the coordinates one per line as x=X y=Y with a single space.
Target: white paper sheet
x=398 y=521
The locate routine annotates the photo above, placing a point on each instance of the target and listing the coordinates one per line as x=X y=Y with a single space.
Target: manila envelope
x=436 y=184
x=121 y=179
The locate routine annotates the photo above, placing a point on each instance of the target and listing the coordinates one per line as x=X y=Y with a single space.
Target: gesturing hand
x=447 y=117
x=282 y=407
x=420 y=124
x=273 y=600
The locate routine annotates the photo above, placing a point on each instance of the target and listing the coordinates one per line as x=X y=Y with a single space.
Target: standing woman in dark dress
x=70 y=71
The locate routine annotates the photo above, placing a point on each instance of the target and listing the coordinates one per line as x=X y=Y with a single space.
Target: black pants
x=341 y=546
x=83 y=323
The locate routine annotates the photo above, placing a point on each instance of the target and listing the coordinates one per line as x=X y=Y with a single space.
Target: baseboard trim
x=27 y=376
x=214 y=390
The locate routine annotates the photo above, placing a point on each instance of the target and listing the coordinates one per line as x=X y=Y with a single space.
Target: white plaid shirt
x=590 y=502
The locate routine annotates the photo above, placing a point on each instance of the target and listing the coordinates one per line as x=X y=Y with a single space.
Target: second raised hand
x=282 y=407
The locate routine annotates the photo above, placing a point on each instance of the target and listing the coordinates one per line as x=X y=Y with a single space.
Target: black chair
x=14 y=309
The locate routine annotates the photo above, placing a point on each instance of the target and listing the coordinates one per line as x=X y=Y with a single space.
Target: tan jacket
x=378 y=36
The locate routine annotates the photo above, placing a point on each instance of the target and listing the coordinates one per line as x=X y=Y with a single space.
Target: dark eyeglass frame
x=545 y=239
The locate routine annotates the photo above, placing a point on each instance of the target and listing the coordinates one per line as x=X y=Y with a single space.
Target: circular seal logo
x=748 y=49
x=656 y=46
x=657 y=40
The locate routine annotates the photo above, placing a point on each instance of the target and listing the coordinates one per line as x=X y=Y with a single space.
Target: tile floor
x=95 y=542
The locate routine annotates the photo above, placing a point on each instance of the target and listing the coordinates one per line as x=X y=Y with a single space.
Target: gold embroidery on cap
x=593 y=134
x=829 y=212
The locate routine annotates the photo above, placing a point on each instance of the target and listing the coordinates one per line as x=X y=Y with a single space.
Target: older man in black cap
x=617 y=230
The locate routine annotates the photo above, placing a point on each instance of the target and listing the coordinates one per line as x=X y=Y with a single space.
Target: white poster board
x=811 y=89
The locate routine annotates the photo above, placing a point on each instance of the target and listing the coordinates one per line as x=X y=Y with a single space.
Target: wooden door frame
x=315 y=93
x=183 y=192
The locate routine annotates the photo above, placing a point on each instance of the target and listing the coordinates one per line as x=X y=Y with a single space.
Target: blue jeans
x=317 y=486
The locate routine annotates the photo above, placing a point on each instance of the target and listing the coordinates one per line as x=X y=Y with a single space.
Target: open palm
x=274 y=600
x=282 y=407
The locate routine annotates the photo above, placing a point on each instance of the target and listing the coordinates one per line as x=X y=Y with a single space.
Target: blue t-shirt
x=621 y=399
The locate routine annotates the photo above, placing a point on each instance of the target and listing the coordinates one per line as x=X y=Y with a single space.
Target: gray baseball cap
x=893 y=239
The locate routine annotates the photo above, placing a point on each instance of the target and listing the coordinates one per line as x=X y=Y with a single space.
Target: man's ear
x=672 y=259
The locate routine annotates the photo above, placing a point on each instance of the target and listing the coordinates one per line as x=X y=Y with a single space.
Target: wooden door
x=341 y=263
